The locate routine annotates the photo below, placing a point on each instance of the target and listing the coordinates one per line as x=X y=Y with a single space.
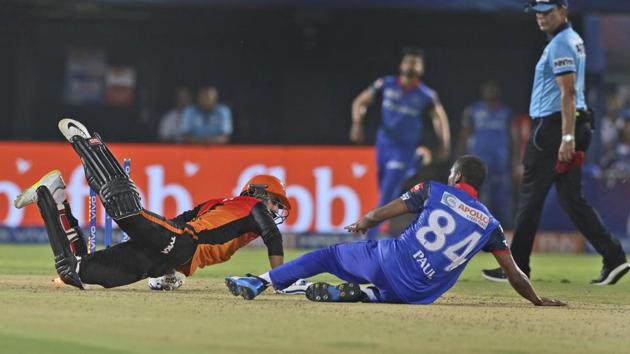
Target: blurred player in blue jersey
x=418 y=266
x=487 y=131
x=405 y=101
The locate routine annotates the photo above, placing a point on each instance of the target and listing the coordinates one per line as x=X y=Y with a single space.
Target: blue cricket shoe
x=248 y=287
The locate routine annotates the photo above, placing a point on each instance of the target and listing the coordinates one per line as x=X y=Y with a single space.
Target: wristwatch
x=567 y=138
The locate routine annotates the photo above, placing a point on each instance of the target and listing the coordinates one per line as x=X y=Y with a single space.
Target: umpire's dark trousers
x=541 y=154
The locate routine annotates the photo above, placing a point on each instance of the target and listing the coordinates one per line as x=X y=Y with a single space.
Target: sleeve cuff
x=564 y=73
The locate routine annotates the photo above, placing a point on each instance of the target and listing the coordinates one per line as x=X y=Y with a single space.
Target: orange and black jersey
x=222 y=226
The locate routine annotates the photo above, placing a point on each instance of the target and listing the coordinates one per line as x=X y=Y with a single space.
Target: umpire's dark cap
x=544 y=5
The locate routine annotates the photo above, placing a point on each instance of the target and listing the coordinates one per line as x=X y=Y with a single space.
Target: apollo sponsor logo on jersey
x=466 y=211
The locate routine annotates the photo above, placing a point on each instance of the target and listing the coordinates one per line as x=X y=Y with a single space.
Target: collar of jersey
x=560 y=28
x=410 y=88
x=467 y=188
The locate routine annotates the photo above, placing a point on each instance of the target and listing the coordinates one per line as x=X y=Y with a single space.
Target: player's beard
x=410 y=74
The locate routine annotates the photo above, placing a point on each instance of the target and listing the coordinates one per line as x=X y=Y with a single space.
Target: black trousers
x=156 y=246
x=541 y=154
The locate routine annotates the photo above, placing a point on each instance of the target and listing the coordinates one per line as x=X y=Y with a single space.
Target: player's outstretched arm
x=442 y=130
x=375 y=216
x=359 y=109
x=521 y=283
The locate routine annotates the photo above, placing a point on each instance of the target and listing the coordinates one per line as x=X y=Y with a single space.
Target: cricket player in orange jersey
x=208 y=234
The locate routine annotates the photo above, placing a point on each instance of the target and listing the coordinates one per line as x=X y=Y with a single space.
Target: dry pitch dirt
x=474 y=317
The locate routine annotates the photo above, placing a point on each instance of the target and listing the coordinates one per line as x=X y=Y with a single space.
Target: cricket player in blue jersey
x=417 y=267
x=487 y=132
x=405 y=102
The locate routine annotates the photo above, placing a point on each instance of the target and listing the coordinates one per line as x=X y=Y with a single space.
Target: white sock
x=370 y=294
x=266 y=278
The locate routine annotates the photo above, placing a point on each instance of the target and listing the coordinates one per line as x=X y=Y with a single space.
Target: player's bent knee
x=106 y=177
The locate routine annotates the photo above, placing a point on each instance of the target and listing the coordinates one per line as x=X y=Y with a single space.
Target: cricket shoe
x=52 y=180
x=496 y=275
x=299 y=287
x=168 y=282
x=70 y=128
x=324 y=292
x=248 y=287
x=610 y=276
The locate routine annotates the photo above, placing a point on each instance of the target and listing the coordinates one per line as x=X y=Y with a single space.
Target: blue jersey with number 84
x=451 y=227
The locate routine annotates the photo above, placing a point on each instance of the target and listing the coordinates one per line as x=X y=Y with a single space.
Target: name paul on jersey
x=426 y=267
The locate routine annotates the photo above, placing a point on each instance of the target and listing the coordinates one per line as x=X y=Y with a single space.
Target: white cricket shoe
x=167 y=282
x=299 y=287
x=52 y=180
x=70 y=127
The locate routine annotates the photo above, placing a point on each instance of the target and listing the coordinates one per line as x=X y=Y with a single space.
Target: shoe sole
x=232 y=287
x=169 y=286
x=496 y=280
x=239 y=290
x=615 y=275
x=324 y=292
x=246 y=293
x=29 y=195
x=70 y=128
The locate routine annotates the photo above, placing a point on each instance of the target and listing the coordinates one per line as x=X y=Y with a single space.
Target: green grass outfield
x=476 y=316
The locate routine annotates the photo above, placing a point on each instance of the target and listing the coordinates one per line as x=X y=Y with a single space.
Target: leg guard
x=106 y=177
x=65 y=261
x=73 y=231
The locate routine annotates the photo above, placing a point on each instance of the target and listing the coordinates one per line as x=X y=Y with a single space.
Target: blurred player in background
x=561 y=133
x=209 y=234
x=418 y=266
x=171 y=123
x=405 y=102
x=487 y=132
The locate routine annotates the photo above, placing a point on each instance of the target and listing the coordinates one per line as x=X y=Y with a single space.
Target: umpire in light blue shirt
x=561 y=133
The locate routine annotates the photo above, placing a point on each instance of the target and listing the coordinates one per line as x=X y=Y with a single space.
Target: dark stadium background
x=289 y=73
